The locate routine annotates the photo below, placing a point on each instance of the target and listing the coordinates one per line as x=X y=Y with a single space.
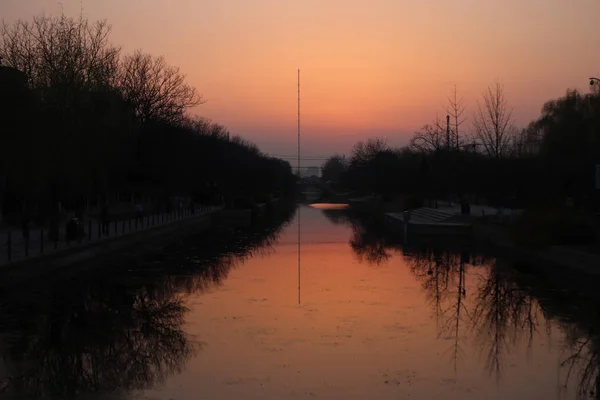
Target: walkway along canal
x=147 y=234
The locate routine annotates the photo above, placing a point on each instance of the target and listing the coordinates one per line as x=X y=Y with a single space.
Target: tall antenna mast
x=298 y=123
x=448 y=131
x=298 y=213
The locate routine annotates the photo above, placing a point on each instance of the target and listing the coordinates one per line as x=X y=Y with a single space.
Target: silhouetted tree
x=156 y=90
x=69 y=64
x=431 y=137
x=334 y=168
x=364 y=163
x=456 y=109
x=493 y=122
x=105 y=126
x=61 y=56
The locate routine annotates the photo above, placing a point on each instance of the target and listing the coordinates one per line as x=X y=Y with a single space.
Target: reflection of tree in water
x=337 y=216
x=503 y=313
x=575 y=311
x=499 y=307
x=88 y=338
x=584 y=360
x=578 y=317
x=443 y=279
x=369 y=241
x=494 y=310
x=368 y=245
x=118 y=330
x=503 y=310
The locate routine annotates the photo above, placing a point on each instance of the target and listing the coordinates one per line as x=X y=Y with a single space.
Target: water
x=363 y=317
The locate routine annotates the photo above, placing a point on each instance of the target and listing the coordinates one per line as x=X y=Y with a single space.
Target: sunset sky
x=368 y=68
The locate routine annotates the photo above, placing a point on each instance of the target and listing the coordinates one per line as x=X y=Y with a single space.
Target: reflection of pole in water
x=298 y=254
x=298 y=177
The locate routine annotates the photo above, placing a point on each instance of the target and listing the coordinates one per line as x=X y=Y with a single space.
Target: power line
x=305 y=156
x=302 y=159
x=296 y=157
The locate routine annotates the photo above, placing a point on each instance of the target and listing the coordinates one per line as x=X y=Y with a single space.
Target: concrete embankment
x=561 y=266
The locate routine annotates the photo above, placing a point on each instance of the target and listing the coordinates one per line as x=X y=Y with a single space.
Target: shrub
x=553 y=226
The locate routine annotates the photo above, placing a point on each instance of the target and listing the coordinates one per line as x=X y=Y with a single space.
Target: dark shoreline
x=133 y=245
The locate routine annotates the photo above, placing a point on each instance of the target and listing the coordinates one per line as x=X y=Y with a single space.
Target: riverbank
x=152 y=239
x=147 y=240
x=563 y=265
x=489 y=227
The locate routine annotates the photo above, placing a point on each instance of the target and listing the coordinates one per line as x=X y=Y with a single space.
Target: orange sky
x=369 y=68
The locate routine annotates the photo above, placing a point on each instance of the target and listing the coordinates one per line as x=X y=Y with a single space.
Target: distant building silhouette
x=306 y=172
x=313 y=171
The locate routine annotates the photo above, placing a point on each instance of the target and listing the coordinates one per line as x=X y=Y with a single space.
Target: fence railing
x=17 y=245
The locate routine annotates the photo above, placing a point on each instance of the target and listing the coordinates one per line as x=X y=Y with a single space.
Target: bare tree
x=493 y=122
x=62 y=57
x=431 y=137
x=156 y=90
x=456 y=108
x=204 y=126
x=363 y=152
x=250 y=146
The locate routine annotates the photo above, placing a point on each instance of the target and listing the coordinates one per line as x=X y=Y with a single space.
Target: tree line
x=80 y=120
x=551 y=162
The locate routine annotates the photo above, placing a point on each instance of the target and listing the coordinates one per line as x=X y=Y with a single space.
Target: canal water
x=351 y=313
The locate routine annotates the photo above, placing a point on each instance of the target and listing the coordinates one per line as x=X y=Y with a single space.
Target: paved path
x=40 y=245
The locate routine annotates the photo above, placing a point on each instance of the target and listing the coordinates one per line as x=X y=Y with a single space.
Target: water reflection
x=369 y=241
x=584 y=359
x=483 y=301
x=91 y=340
x=119 y=328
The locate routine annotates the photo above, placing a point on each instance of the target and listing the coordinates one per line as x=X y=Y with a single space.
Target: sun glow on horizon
x=368 y=68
